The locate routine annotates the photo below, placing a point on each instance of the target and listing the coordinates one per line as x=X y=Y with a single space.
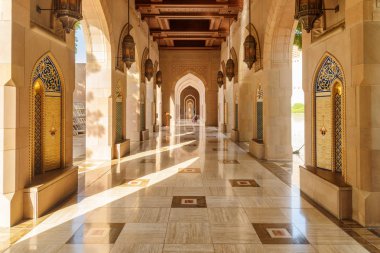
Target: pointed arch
x=144 y=57
x=328 y=102
x=47 y=116
x=194 y=81
x=236 y=63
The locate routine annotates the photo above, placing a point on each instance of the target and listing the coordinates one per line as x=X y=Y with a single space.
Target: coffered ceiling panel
x=189 y=23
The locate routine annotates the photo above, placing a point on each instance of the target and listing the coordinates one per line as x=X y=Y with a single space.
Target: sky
x=80 y=56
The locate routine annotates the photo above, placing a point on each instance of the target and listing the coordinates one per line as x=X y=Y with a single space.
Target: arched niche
x=47 y=116
x=260 y=114
x=120 y=112
x=329 y=115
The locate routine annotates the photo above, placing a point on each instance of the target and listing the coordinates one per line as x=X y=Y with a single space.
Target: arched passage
x=96 y=110
x=189 y=80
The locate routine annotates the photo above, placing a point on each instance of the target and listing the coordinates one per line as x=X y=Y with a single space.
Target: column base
x=156 y=128
x=235 y=135
x=223 y=128
x=144 y=135
x=257 y=149
x=11 y=208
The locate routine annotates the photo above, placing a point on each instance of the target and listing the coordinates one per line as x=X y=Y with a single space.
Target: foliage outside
x=298 y=37
x=298 y=108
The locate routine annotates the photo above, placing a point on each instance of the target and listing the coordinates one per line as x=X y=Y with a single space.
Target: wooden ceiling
x=189 y=23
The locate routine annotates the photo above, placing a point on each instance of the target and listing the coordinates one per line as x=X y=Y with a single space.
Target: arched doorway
x=189 y=82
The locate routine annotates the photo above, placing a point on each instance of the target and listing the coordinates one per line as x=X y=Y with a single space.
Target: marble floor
x=190 y=191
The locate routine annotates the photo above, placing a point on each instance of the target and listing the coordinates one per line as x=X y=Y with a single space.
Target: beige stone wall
x=202 y=63
x=354 y=45
x=22 y=43
x=274 y=23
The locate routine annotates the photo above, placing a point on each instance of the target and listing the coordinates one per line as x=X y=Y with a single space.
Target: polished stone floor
x=190 y=191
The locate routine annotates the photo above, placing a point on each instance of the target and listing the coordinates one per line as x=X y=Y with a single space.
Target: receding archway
x=189 y=103
x=189 y=80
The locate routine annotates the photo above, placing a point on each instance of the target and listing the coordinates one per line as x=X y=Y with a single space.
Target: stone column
x=277 y=113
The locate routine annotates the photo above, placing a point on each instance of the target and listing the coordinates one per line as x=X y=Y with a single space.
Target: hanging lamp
x=230 y=65
x=128 y=47
x=159 y=73
x=67 y=11
x=250 y=44
x=149 y=63
x=220 y=78
x=308 y=11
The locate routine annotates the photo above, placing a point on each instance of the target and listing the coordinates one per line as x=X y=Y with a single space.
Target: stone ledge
x=121 y=149
x=235 y=135
x=328 y=189
x=257 y=149
x=49 y=189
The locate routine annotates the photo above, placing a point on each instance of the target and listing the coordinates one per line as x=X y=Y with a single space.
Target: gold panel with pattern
x=52 y=133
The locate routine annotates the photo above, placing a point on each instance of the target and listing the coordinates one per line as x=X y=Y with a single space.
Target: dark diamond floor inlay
x=189 y=202
x=279 y=233
x=243 y=183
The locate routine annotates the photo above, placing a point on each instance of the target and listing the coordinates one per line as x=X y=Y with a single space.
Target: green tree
x=298 y=37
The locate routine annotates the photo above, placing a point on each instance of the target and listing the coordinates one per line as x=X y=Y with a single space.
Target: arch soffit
x=192 y=81
x=235 y=58
x=279 y=34
x=189 y=74
x=96 y=14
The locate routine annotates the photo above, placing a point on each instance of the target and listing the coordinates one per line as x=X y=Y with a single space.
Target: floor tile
x=140 y=233
x=93 y=248
x=227 y=216
x=127 y=247
x=96 y=233
x=238 y=248
x=230 y=233
x=189 y=233
x=188 y=248
x=188 y=215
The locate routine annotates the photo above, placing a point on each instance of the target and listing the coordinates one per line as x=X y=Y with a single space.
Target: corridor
x=190 y=191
